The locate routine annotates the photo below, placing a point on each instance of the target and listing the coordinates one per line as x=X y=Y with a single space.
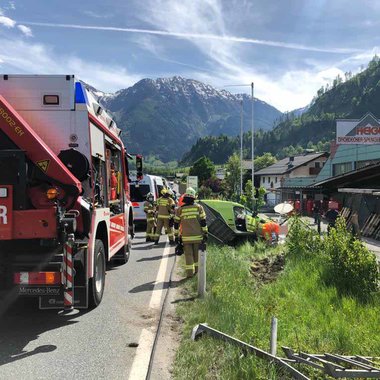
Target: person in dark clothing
x=317 y=211
x=331 y=216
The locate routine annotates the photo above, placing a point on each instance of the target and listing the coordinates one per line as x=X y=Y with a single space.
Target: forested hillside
x=349 y=97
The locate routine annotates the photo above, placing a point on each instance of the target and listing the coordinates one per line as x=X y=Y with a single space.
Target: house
x=283 y=179
x=358 y=193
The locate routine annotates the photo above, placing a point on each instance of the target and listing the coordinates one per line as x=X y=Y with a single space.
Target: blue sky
x=289 y=48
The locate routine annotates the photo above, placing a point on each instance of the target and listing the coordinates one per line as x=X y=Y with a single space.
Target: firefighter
x=113 y=183
x=190 y=220
x=150 y=210
x=165 y=214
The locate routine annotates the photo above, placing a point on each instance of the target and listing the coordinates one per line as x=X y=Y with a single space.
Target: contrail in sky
x=254 y=41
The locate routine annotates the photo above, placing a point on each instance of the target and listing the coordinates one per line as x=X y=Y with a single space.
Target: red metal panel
x=6 y=213
x=35 y=224
x=23 y=135
x=117 y=230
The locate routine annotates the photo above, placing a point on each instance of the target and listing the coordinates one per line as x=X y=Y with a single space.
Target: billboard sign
x=192 y=181
x=363 y=131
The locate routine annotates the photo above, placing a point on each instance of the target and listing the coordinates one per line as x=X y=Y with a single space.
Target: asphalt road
x=91 y=344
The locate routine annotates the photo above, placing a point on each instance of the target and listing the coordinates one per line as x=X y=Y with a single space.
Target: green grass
x=312 y=317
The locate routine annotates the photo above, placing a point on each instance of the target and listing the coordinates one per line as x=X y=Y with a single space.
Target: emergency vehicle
x=65 y=207
x=140 y=187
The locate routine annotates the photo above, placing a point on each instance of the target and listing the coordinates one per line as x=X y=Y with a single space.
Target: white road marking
x=155 y=300
x=140 y=363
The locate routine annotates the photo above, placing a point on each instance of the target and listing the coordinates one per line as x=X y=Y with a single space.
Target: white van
x=149 y=184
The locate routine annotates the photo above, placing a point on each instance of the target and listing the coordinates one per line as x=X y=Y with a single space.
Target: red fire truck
x=65 y=209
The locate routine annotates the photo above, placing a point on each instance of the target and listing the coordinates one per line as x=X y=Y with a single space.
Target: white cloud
x=203 y=24
x=11 y=6
x=7 y=22
x=26 y=30
x=200 y=36
x=97 y=15
x=10 y=23
x=293 y=89
x=16 y=57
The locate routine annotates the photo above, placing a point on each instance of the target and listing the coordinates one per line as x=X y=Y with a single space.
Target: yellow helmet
x=164 y=191
x=190 y=193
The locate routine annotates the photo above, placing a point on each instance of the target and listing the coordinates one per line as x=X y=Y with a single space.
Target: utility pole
x=241 y=147
x=241 y=140
x=253 y=146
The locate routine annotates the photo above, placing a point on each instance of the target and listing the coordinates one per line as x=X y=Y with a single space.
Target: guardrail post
x=202 y=273
x=273 y=336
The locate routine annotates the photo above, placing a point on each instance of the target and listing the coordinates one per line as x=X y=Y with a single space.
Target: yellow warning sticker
x=43 y=165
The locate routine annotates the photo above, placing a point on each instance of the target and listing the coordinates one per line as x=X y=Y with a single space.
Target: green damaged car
x=231 y=223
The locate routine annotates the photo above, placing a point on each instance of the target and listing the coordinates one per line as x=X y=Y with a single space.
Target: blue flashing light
x=80 y=95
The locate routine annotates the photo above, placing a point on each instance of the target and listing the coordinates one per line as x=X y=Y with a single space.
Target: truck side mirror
x=139 y=167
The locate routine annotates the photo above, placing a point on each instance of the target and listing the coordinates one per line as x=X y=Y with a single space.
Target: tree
x=215 y=184
x=261 y=162
x=203 y=168
x=204 y=192
x=233 y=176
x=246 y=198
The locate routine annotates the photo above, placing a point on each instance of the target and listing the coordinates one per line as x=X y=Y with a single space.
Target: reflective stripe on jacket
x=190 y=219
x=165 y=207
x=149 y=209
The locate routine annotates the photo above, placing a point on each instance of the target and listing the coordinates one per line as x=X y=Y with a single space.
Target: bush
x=302 y=241
x=353 y=268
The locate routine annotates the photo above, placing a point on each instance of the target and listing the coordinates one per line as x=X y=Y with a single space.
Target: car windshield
x=139 y=192
x=248 y=212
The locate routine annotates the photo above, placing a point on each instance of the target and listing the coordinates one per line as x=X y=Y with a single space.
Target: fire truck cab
x=65 y=208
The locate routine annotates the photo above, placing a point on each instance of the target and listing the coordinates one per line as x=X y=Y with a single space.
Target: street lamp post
x=252 y=146
x=241 y=140
x=241 y=147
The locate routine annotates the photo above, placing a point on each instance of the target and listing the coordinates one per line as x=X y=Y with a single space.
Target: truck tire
x=97 y=282
x=122 y=257
x=131 y=230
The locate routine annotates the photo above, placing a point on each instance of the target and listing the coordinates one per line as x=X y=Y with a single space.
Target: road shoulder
x=171 y=327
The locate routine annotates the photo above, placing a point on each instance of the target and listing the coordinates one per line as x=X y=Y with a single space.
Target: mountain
x=299 y=111
x=315 y=126
x=164 y=117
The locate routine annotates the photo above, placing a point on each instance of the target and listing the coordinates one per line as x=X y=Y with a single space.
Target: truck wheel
x=122 y=257
x=97 y=283
x=131 y=231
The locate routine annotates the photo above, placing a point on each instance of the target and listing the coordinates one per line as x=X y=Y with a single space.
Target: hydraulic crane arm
x=23 y=135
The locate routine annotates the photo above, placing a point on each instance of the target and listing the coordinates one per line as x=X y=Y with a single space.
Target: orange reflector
x=52 y=193
x=50 y=277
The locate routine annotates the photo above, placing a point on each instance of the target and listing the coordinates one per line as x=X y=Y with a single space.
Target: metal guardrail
x=332 y=364
x=336 y=366
x=203 y=328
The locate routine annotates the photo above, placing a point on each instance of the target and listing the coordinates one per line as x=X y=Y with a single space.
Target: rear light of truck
x=135 y=204
x=37 y=278
x=52 y=193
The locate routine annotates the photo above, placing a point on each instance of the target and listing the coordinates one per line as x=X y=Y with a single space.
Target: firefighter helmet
x=164 y=191
x=150 y=197
x=190 y=193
